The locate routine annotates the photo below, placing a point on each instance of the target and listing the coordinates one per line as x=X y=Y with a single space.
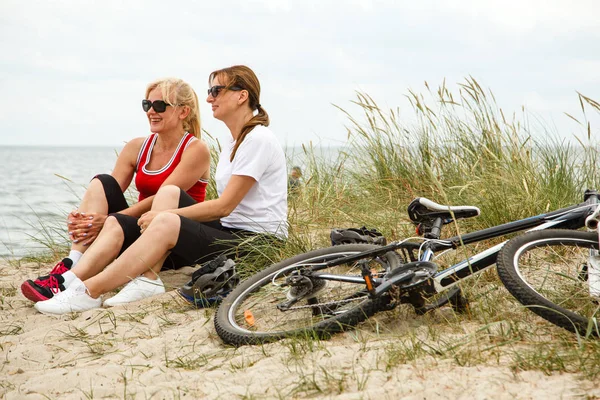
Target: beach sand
x=161 y=349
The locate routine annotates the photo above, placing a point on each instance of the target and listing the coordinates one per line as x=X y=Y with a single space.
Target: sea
x=41 y=185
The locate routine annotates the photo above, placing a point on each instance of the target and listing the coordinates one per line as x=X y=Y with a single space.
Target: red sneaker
x=45 y=287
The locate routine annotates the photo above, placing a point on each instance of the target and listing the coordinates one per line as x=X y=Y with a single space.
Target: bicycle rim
x=250 y=313
x=551 y=269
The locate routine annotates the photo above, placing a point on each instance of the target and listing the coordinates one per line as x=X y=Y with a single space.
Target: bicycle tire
x=261 y=293
x=542 y=270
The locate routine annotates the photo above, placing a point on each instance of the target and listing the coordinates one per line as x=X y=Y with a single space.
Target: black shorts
x=112 y=191
x=197 y=242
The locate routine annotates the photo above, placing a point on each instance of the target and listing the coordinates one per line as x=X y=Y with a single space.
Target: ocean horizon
x=42 y=184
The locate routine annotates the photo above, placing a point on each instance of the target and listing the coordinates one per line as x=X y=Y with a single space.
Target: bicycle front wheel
x=547 y=272
x=252 y=312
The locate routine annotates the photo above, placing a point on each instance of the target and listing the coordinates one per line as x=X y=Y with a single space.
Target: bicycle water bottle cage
x=424 y=211
x=357 y=235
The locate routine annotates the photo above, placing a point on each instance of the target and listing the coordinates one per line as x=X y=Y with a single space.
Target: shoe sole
x=108 y=303
x=48 y=313
x=31 y=294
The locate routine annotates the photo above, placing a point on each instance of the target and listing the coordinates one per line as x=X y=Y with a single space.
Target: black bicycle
x=331 y=289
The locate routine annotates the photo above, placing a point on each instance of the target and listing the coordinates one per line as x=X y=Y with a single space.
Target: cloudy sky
x=73 y=72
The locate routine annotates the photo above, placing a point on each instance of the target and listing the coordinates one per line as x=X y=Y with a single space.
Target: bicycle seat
x=424 y=210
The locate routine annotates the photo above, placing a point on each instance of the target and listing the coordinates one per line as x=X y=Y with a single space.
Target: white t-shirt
x=264 y=208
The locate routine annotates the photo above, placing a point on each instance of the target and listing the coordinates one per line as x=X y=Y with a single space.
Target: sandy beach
x=160 y=348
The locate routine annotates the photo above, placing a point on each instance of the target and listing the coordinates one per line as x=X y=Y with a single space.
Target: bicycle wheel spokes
x=547 y=272
x=553 y=270
x=268 y=306
x=330 y=298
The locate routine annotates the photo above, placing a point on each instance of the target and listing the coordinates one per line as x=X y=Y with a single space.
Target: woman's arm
x=83 y=224
x=235 y=191
x=124 y=171
x=125 y=165
x=139 y=208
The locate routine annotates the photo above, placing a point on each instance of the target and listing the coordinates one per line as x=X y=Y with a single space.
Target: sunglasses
x=214 y=91
x=159 y=105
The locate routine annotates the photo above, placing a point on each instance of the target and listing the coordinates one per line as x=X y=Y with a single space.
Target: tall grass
x=458 y=149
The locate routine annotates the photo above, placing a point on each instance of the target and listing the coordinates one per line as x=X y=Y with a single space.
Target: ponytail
x=192 y=122
x=262 y=118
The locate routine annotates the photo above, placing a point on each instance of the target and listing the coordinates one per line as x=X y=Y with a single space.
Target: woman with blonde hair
x=251 y=179
x=172 y=155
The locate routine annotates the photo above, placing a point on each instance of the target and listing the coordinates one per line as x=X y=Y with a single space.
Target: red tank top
x=148 y=182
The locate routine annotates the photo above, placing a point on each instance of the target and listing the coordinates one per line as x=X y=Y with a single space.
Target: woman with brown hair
x=171 y=155
x=251 y=181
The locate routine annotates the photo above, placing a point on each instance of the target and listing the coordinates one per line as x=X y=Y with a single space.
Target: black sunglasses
x=159 y=105
x=214 y=91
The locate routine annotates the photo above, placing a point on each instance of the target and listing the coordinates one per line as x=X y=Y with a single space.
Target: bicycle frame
x=572 y=217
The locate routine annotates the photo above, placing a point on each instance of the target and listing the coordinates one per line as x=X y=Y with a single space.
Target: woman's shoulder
x=263 y=134
x=135 y=143
x=261 y=130
x=263 y=141
x=196 y=145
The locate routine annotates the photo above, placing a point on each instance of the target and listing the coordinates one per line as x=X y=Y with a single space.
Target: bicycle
x=328 y=290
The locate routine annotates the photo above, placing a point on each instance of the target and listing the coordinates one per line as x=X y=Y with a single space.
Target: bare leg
x=167 y=198
x=108 y=244
x=103 y=251
x=94 y=201
x=144 y=254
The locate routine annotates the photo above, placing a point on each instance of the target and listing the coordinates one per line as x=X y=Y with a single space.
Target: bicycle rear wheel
x=544 y=271
x=249 y=314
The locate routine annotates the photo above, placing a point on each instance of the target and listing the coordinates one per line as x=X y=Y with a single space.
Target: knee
x=102 y=180
x=112 y=224
x=168 y=193
x=167 y=225
x=103 y=177
x=96 y=183
x=166 y=220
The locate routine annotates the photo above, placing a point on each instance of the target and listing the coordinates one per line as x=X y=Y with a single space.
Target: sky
x=73 y=73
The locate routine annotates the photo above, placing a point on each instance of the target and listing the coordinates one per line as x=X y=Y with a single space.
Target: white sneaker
x=73 y=299
x=138 y=289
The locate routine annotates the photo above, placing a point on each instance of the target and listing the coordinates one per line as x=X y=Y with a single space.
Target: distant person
x=171 y=155
x=294 y=178
x=251 y=183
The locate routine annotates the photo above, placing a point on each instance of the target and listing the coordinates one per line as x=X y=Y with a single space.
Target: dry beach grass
x=460 y=150
x=160 y=348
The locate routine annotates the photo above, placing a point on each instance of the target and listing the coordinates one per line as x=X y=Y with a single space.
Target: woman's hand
x=84 y=227
x=146 y=219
